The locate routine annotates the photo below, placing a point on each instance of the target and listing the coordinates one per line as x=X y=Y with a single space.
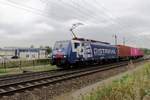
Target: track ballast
x=27 y=82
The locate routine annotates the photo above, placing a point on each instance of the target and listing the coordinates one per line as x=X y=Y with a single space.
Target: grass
x=16 y=67
x=18 y=70
x=2 y=71
x=135 y=86
x=24 y=63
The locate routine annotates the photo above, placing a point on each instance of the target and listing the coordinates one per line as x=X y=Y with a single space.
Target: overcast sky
x=42 y=22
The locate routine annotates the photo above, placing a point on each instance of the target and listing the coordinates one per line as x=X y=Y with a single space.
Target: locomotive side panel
x=104 y=51
x=84 y=52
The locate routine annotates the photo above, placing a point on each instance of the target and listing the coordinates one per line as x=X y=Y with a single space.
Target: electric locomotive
x=79 y=51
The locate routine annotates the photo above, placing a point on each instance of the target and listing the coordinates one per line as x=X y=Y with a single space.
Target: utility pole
x=74 y=26
x=124 y=40
x=115 y=39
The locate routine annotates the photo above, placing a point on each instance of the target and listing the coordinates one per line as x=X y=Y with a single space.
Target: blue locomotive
x=79 y=51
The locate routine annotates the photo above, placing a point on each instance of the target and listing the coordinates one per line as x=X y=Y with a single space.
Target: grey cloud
x=129 y=19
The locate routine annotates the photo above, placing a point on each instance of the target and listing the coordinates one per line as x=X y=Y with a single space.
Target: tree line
x=146 y=51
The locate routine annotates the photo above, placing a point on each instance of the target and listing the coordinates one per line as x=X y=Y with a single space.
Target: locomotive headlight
x=53 y=56
x=64 y=56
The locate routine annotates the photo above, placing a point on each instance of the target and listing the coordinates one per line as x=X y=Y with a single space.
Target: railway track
x=24 y=75
x=10 y=87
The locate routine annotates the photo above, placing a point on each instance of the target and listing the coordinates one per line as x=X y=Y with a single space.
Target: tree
x=48 y=49
x=146 y=51
x=32 y=46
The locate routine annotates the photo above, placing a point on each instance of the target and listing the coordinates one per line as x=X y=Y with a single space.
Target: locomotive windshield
x=61 y=45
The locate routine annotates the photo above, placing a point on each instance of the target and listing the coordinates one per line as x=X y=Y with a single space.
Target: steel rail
x=49 y=79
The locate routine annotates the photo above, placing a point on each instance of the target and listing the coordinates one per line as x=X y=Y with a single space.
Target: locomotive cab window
x=76 y=45
x=61 y=45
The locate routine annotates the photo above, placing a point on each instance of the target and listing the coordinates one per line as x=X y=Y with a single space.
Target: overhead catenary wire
x=89 y=12
x=34 y=11
x=38 y=11
x=76 y=13
x=75 y=6
x=98 y=15
x=23 y=5
x=28 y=8
x=80 y=13
x=95 y=6
x=105 y=12
x=110 y=15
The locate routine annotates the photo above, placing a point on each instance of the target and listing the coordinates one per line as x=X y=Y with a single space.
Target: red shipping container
x=123 y=51
x=135 y=52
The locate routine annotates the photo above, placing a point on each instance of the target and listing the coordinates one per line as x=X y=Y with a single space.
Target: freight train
x=80 y=51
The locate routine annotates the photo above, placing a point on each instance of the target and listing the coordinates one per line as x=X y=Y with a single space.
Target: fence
x=23 y=63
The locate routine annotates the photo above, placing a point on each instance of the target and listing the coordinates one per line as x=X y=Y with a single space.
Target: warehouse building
x=23 y=53
x=31 y=53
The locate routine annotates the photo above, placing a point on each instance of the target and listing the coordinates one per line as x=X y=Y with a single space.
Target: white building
x=23 y=53
x=31 y=53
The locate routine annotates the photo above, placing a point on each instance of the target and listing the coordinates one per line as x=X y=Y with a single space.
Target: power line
x=100 y=11
x=21 y=4
x=95 y=7
x=112 y=19
x=110 y=15
x=40 y=12
x=35 y=11
x=89 y=11
x=81 y=13
x=26 y=8
x=76 y=11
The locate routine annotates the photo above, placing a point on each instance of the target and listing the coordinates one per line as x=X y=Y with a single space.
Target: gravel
x=54 y=90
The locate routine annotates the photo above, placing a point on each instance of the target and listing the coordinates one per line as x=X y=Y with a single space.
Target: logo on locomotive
x=84 y=51
x=104 y=51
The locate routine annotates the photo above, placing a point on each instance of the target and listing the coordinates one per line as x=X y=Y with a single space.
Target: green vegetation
x=135 y=86
x=16 y=67
x=18 y=70
x=146 y=51
x=48 y=49
x=24 y=63
x=2 y=71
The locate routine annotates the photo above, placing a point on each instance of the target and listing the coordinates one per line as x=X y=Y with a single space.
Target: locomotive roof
x=82 y=39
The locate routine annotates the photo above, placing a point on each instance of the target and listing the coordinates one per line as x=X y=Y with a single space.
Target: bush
x=130 y=87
